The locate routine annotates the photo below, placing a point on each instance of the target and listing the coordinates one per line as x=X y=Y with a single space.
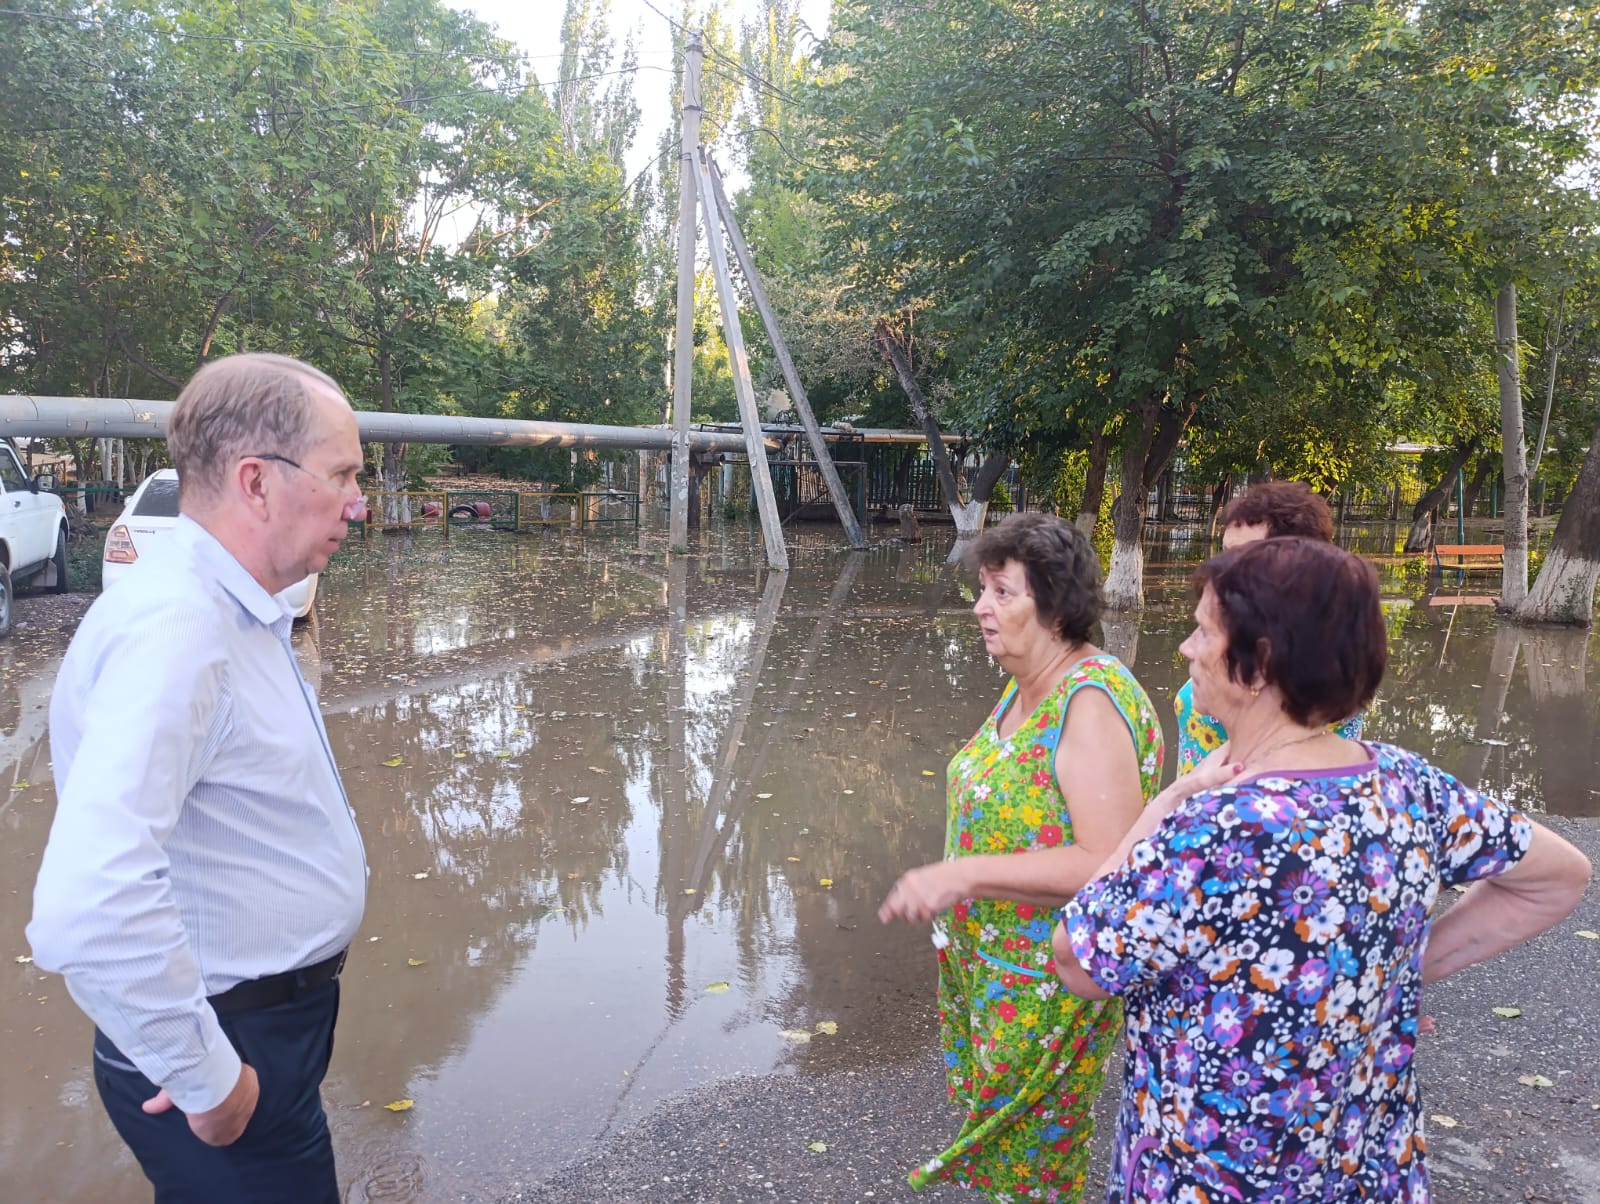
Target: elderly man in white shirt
x=204 y=874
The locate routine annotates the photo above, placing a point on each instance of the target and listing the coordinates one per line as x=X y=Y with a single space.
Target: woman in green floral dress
x=1046 y=788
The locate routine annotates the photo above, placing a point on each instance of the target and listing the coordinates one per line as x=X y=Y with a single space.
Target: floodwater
x=629 y=818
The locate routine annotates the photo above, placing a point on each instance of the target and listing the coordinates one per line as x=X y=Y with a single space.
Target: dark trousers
x=284 y=1154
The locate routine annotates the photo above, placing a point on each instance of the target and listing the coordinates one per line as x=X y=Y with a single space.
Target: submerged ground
x=629 y=819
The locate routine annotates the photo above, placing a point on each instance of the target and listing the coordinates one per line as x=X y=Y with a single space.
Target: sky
x=535 y=25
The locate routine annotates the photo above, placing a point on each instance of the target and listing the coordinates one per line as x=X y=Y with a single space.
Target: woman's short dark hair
x=1286 y=507
x=1305 y=616
x=1063 y=571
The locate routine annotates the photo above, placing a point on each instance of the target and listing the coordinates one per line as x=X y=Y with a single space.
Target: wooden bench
x=1467 y=556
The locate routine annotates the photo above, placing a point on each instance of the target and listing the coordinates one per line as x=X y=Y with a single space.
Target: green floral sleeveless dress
x=1024 y=1057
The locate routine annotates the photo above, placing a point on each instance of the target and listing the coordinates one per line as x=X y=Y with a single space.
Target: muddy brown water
x=629 y=819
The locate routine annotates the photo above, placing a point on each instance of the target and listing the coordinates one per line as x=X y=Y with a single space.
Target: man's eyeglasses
x=345 y=486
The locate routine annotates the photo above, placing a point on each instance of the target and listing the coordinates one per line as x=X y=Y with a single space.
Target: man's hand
x=223 y=1124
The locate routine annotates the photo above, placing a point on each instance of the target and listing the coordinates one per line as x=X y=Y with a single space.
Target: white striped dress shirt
x=202 y=836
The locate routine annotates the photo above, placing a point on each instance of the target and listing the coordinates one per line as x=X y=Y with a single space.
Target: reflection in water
x=602 y=791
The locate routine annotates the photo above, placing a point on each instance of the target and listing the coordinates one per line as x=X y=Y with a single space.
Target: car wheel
x=5 y=601
x=61 y=562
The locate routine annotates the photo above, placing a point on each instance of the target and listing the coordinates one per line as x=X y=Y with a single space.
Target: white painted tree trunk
x=1564 y=592
x=1514 y=450
x=1124 y=588
x=969 y=518
x=394 y=504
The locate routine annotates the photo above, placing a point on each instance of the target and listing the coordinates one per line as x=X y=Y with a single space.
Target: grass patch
x=83 y=561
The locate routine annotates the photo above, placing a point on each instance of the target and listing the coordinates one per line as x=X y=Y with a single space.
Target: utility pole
x=683 y=346
x=743 y=387
x=797 y=392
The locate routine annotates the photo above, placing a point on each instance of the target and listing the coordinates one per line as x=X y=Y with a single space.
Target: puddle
x=633 y=819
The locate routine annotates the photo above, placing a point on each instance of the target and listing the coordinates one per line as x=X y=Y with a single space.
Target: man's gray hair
x=242 y=405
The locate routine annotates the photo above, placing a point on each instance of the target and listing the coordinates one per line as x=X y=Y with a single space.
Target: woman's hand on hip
x=924 y=892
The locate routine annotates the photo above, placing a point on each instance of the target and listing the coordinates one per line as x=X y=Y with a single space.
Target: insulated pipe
x=123 y=418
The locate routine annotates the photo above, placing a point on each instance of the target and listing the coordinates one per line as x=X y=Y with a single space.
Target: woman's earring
x=1255 y=691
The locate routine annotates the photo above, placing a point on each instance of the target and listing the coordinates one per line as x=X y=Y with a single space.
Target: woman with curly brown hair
x=1052 y=780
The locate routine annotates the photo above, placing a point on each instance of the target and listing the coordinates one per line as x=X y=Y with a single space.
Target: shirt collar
x=265 y=608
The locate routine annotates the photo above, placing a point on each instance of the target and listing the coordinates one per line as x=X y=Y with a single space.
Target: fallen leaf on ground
x=765 y=794
x=928 y=773
x=1587 y=935
x=401 y=1105
x=1444 y=1122
x=689 y=890
x=792 y=859
x=421 y=876
x=416 y=961
x=370 y=939
x=23 y=960
x=798 y=1035
x=460 y=756
x=503 y=754
x=393 y=761
x=595 y=769
x=717 y=988
x=818 y=1147
x=1508 y=1013
x=20 y=786
x=580 y=800
x=824 y=881
x=1534 y=1080
x=828 y=1028
x=849 y=792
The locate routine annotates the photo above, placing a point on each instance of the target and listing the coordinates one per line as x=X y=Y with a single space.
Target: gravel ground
x=1492 y=1139
x=42 y=623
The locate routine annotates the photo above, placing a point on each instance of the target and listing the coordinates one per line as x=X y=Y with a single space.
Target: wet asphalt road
x=749 y=1139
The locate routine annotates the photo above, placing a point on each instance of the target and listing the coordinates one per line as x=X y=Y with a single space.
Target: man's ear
x=249 y=483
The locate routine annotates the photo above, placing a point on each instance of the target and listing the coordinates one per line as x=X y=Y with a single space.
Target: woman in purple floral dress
x=1270 y=937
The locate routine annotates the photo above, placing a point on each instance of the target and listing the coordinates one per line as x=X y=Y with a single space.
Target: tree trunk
x=971 y=517
x=396 y=506
x=1124 y=588
x=1564 y=592
x=1094 y=484
x=1219 y=499
x=1514 y=451
x=1420 y=538
x=896 y=353
x=1475 y=486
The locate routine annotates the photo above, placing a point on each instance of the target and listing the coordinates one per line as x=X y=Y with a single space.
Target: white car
x=151 y=512
x=33 y=534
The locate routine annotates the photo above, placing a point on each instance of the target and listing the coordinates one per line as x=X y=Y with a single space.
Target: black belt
x=277 y=988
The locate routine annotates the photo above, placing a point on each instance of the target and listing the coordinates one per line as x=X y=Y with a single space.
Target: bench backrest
x=1470 y=549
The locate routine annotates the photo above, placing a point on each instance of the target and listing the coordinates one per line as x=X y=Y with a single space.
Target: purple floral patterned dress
x=1267 y=944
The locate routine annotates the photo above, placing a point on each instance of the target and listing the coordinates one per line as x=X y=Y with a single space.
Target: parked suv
x=33 y=534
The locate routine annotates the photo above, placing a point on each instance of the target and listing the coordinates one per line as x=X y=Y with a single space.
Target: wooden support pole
x=791 y=378
x=743 y=387
x=683 y=344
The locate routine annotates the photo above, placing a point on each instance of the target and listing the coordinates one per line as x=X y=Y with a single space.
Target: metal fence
x=500 y=509
x=803 y=493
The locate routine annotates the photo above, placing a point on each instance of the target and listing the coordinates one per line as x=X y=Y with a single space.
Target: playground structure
x=510 y=510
